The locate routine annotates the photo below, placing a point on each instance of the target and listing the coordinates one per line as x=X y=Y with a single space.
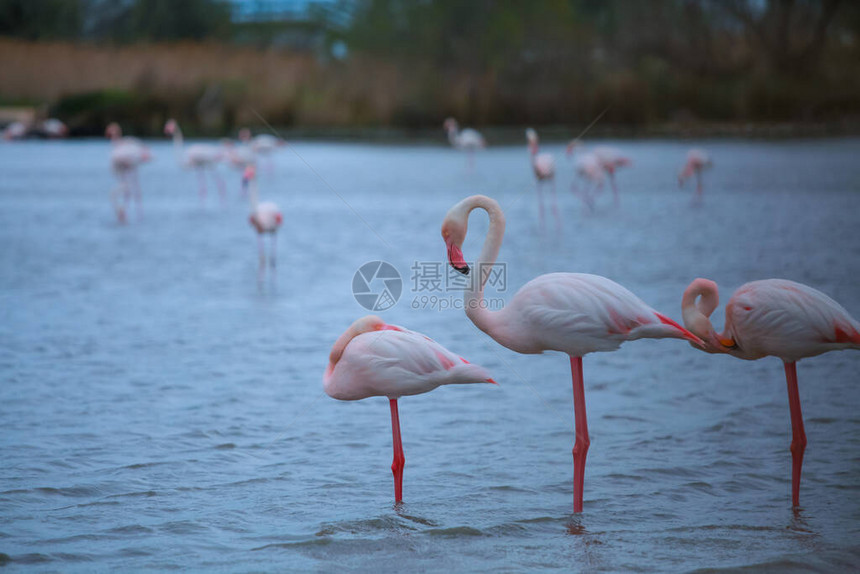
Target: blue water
x=162 y=407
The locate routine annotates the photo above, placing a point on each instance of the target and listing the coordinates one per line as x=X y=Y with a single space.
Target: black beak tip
x=464 y=269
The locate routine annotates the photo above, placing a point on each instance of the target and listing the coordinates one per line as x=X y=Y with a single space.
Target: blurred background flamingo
x=698 y=160
x=126 y=155
x=467 y=139
x=202 y=158
x=265 y=218
x=543 y=166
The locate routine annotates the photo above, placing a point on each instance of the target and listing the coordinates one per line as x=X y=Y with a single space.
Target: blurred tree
x=41 y=19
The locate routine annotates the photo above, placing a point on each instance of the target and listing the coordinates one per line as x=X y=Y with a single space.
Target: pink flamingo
x=779 y=318
x=466 y=139
x=53 y=128
x=543 y=165
x=264 y=145
x=15 y=131
x=265 y=217
x=611 y=159
x=127 y=153
x=372 y=359
x=698 y=160
x=574 y=313
x=588 y=167
x=200 y=157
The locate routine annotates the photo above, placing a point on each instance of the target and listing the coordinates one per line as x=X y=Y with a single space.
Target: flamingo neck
x=474 y=297
x=363 y=325
x=700 y=300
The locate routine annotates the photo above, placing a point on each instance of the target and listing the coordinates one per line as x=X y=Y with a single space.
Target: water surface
x=162 y=408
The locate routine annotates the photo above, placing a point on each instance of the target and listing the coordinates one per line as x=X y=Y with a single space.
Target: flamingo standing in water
x=240 y=156
x=372 y=359
x=265 y=217
x=779 y=318
x=15 y=131
x=574 y=313
x=588 y=167
x=543 y=165
x=127 y=153
x=53 y=128
x=611 y=159
x=263 y=145
x=200 y=157
x=467 y=139
x=698 y=160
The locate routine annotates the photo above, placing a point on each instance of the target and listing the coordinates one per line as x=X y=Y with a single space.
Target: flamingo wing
x=578 y=313
x=395 y=363
x=788 y=320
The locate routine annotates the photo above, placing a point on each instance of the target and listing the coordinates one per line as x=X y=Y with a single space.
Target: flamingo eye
x=747 y=308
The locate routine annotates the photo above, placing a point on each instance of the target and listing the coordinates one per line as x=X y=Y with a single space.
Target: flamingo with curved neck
x=200 y=157
x=373 y=359
x=467 y=139
x=574 y=313
x=779 y=318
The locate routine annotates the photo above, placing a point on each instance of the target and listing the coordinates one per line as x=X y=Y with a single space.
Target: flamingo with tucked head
x=467 y=139
x=373 y=359
x=777 y=318
x=543 y=166
x=698 y=161
x=199 y=157
x=574 y=313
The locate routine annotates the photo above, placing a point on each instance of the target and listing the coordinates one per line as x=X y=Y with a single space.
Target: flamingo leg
x=580 y=447
x=399 y=457
x=555 y=206
x=614 y=188
x=798 y=436
x=272 y=261
x=136 y=192
x=540 y=204
x=699 y=189
x=262 y=249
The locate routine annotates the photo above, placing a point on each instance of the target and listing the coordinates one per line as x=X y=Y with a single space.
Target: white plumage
x=396 y=362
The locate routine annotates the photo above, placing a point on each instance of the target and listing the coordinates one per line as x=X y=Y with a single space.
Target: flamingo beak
x=455 y=259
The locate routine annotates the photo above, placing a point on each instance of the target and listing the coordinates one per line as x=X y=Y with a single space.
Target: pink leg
x=399 y=456
x=580 y=447
x=699 y=189
x=798 y=436
x=614 y=189
x=262 y=249
x=272 y=262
